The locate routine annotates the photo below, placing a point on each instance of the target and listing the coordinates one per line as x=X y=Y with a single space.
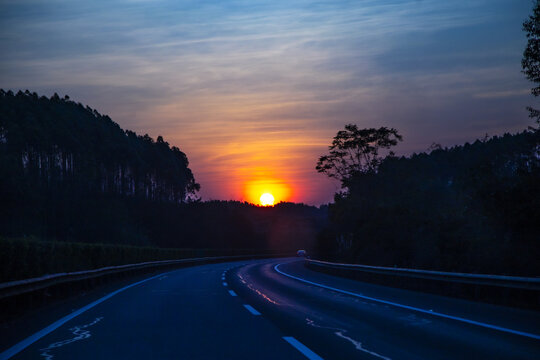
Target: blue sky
x=254 y=91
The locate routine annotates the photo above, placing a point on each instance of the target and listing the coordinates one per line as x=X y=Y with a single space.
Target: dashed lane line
x=302 y=348
x=251 y=309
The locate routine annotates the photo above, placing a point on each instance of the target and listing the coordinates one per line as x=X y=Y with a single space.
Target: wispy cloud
x=241 y=85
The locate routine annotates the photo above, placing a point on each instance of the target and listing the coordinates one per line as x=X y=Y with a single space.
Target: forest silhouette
x=71 y=175
x=470 y=208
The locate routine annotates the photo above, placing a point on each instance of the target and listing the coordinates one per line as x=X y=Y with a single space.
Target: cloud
x=237 y=84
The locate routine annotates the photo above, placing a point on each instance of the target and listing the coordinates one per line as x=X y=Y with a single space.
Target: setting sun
x=267 y=199
x=267 y=191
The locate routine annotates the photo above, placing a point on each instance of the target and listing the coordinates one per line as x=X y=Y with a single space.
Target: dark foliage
x=55 y=143
x=28 y=258
x=468 y=208
x=355 y=151
x=531 y=55
x=68 y=173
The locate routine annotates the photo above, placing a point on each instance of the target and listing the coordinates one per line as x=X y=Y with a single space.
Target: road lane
x=184 y=314
x=248 y=310
x=338 y=326
x=402 y=305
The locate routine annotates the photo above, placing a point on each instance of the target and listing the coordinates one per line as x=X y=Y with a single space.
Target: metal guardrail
x=19 y=287
x=530 y=283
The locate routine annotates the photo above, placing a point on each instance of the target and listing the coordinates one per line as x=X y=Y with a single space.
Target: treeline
x=30 y=258
x=473 y=208
x=162 y=231
x=70 y=174
x=223 y=224
x=54 y=143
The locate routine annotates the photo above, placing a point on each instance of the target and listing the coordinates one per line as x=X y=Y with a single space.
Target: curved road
x=273 y=309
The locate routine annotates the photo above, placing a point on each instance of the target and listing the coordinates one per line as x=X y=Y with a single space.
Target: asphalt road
x=272 y=309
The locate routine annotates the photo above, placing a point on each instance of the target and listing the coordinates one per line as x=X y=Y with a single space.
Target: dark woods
x=471 y=208
x=68 y=173
x=468 y=208
x=55 y=143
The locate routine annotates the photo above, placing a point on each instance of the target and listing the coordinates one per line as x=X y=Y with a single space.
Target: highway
x=269 y=309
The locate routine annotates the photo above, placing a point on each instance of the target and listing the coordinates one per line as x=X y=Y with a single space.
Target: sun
x=267 y=199
x=266 y=192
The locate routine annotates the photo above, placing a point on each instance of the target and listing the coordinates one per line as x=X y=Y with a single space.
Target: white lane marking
x=232 y=293
x=251 y=309
x=80 y=334
x=225 y=284
x=15 y=349
x=302 y=348
x=430 y=312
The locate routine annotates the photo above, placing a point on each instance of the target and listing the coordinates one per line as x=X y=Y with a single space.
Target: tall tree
x=354 y=151
x=531 y=56
x=468 y=208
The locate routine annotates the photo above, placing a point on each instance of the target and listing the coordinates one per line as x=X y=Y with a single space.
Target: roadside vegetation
x=469 y=208
x=90 y=194
x=78 y=192
x=28 y=258
x=472 y=208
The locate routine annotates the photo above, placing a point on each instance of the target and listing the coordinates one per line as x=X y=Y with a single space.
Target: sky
x=253 y=91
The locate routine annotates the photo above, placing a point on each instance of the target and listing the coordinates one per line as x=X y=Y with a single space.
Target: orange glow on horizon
x=277 y=189
x=247 y=158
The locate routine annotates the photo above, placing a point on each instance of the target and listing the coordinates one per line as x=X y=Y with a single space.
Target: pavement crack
x=341 y=333
x=80 y=333
x=358 y=346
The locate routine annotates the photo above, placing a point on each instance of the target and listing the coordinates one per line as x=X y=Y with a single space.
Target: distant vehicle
x=301 y=253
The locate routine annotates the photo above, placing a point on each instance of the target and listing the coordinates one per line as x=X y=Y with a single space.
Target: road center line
x=15 y=349
x=232 y=293
x=302 y=348
x=429 y=312
x=251 y=309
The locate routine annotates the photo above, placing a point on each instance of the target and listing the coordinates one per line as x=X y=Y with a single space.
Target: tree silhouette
x=355 y=151
x=531 y=56
x=69 y=174
x=468 y=208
